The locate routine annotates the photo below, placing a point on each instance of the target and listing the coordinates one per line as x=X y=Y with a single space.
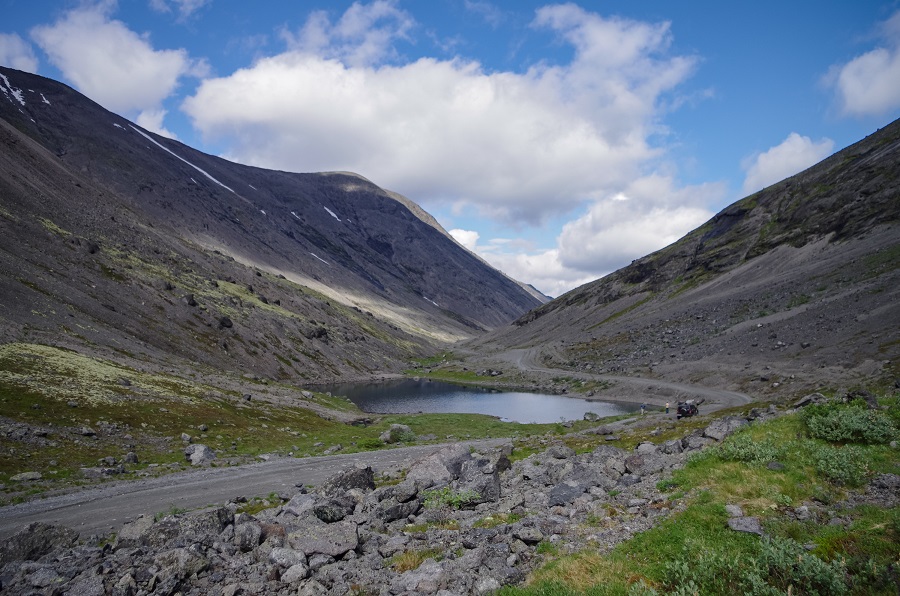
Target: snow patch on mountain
x=166 y=149
x=10 y=91
x=332 y=213
x=318 y=257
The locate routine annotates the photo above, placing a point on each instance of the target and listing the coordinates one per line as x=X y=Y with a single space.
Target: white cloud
x=542 y=269
x=467 y=238
x=364 y=34
x=152 y=120
x=17 y=53
x=870 y=84
x=520 y=147
x=649 y=214
x=110 y=63
x=794 y=154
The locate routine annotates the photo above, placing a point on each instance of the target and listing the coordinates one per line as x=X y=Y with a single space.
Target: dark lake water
x=405 y=396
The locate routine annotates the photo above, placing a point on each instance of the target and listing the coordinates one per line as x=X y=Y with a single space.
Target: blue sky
x=558 y=141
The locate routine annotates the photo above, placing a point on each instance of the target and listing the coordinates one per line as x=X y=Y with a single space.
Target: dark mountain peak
x=288 y=254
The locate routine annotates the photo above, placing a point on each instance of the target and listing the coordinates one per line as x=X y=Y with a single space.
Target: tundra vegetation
x=779 y=471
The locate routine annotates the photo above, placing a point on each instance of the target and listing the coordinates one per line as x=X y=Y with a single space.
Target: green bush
x=778 y=566
x=849 y=423
x=842 y=465
x=370 y=444
x=447 y=497
x=741 y=447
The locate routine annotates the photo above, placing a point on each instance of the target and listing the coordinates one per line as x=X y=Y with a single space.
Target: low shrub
x=779 y=565
x=849 y=423
x=447 y=497
x=741 y=447
x=842 y=465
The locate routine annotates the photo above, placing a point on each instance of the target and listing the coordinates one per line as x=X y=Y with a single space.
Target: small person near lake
x=643 y=407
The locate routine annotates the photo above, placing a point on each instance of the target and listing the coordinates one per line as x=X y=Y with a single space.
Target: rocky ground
x=456 y=522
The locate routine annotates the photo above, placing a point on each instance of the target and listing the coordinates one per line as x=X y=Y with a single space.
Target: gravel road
x=656 y=392
x=107 y=508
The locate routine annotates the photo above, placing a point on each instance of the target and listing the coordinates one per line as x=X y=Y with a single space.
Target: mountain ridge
x=313 y=256
x=758 y=298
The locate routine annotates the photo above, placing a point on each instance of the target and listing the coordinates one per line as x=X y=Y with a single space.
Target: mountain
x=795 y=286
x=119 y=243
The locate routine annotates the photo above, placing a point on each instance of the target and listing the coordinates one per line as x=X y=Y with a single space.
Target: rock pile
x=457 y=523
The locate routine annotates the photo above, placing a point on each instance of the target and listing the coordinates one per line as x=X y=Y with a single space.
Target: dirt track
x=634 y=389
x=107 y=508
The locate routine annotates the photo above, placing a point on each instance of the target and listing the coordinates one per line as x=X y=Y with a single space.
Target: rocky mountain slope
x=119 y=243
x=792 y=287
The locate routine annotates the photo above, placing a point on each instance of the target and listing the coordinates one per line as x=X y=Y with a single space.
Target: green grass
x=694 y=552
x=38 y=383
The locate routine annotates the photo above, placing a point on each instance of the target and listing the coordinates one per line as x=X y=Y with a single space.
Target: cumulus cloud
x=649 y=214
x=17 y=53
x=517 y=146
x=542 y=269
x=794 y=154
x=152 y=120
x=110 y=63
x=468 y=238
x=870 y=83
x=364 y=35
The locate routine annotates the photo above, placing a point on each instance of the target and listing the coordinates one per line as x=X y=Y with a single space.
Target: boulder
x=328 y=539
x=566 y=492
x=672 y=447
x=528 y=535
x=247 y=536
x=390 y=509
x=295 y=573
x=428 y=578
x=132 y=534
x=482 y=477
x=812 y=398
x=36 y=540
x=26 y=477
x=199 y=454
x=750 y=525
x=647 y=448
x=362 y=478
x=300 y=504
x=439 y=468
x=397 y=433
x=286 y=557
x=560 y=452
x=723 y=427
x=334 y=509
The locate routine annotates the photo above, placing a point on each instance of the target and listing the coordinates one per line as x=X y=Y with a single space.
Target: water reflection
x=403 y=396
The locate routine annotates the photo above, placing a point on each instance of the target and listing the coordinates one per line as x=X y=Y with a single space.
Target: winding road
x=106 y=508
x=652 y=391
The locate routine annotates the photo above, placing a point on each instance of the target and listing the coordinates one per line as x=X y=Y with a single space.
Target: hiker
x=643 y=407
x=667 y=407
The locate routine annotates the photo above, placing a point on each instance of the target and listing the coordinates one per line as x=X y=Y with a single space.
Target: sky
x=557 y=141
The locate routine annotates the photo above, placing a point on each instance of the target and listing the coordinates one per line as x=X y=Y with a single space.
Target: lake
x=408 y=396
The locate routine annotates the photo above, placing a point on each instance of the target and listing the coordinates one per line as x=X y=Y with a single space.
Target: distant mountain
x=796 y=285
x=116 y=241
